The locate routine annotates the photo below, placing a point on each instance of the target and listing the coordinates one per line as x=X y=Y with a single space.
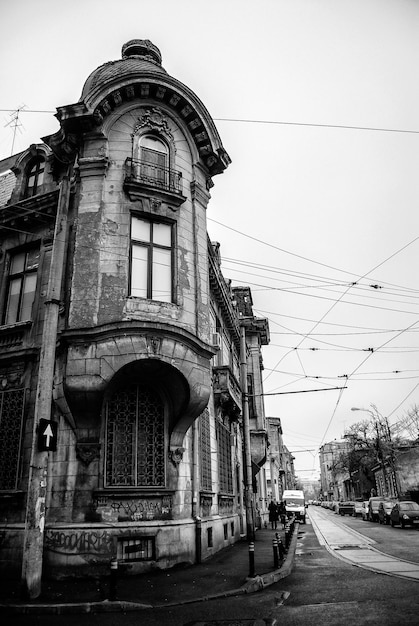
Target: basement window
x=136 y=549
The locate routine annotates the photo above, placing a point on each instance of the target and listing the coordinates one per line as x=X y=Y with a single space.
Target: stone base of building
x=80 y=550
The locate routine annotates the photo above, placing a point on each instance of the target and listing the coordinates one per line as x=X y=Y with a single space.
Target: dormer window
x=35 y=177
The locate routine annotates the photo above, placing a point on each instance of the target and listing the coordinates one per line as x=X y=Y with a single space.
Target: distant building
x=397 y=475
x=333 y=476
x=280 y=464
x=311 y=489
x=130 y=371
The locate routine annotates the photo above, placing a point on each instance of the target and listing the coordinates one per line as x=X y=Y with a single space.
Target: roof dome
x=138 y=55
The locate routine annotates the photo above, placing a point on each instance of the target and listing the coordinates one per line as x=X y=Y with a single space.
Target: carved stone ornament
x=176 y=455
x=153 y=119
x=153 y=344
x=87 y=452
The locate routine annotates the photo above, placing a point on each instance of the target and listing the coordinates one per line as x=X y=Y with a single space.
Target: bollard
x=275 y=550
x=113 y=579
x=287 y=536
x=281 y=549
x=251 y=559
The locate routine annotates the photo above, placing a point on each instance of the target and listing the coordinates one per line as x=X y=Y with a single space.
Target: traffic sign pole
x=33 y=545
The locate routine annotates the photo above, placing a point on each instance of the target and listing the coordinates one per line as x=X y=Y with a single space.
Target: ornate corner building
x=121 y=388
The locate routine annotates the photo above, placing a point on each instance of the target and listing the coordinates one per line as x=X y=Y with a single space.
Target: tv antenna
x=15 y=123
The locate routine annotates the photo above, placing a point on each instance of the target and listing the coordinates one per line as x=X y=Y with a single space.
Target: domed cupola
x=138 y=55
x=138 y=77
x=141 y=48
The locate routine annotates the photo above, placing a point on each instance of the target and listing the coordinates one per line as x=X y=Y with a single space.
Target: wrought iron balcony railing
x=153 y=175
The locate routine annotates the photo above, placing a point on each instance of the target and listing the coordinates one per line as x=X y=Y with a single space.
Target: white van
x=295 y=504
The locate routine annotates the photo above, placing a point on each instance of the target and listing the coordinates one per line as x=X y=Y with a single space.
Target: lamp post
x=383 y=433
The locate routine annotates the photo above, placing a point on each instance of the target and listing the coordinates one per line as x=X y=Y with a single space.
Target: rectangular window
x=224 y=458
x=11 y=419
x=21 y=286
x=151 y=260
x=136 y=549
x=205 y=451
x=251 y=396
x=135 y=439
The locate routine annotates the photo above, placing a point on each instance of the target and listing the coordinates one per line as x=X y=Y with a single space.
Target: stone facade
x=120 y=329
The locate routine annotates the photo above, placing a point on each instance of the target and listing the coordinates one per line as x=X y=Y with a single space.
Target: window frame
x=151 y=170
x=150 y=247
x=35 y=170
x=110 y=447
x=225 y=462
x=21 y=275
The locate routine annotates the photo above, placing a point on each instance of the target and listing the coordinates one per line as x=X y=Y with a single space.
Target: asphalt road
x=321 y=590
x=402 y=543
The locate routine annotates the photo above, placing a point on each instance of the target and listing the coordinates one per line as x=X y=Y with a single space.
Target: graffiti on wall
x=134 y=510
x=81 y=542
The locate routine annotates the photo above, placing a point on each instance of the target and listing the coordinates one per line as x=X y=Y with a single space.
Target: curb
x=253 y=585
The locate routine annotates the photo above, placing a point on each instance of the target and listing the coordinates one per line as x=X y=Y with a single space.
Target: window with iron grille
x=135 y=439
x=205 y=450
x=11 y=419
x=136 y=549
x=151 y=260
x=21 y=286
x=224 y=458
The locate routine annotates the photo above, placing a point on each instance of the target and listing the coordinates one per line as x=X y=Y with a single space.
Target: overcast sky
x=316 y=102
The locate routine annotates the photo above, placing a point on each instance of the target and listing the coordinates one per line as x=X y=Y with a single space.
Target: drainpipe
x=195 y=493
x=34 y=533
x=250 y=522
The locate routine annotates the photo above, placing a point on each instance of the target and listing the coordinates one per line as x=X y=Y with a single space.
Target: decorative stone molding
x=87 y=451
x=153 y=119
x=153 y=344
x=176 y=456
x=93 y=166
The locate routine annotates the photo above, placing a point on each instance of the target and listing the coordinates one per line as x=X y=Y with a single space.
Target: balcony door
x=154 y=161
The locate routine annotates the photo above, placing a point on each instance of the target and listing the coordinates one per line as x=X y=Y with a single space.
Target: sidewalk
x=352 y=547
x=225 y=574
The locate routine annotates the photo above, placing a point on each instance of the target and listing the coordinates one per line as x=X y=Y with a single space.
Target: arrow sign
x=47 y=435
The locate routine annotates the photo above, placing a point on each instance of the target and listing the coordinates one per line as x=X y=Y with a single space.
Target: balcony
x=144 y=179
x=227 y=393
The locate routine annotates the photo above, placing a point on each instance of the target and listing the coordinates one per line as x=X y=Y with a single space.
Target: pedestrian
x=273 y=514
x=282 y=513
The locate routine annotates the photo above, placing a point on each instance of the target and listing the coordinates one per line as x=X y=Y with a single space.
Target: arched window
x=135 y=439
x=154 y=161
x=35 y=177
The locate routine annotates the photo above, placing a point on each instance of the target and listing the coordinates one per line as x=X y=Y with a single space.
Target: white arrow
x=48 y=434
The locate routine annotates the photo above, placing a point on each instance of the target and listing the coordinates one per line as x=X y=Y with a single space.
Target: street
x=321 y=588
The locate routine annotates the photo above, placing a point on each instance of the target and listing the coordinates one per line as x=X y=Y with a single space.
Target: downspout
x=33 y=546
x=250 y=522
x=195 y=492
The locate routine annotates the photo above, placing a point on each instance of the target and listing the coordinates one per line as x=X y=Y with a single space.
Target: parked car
x=346 y=508
x=358 y=508
x=384 y=510
x=405 y=513
x=373 y=504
